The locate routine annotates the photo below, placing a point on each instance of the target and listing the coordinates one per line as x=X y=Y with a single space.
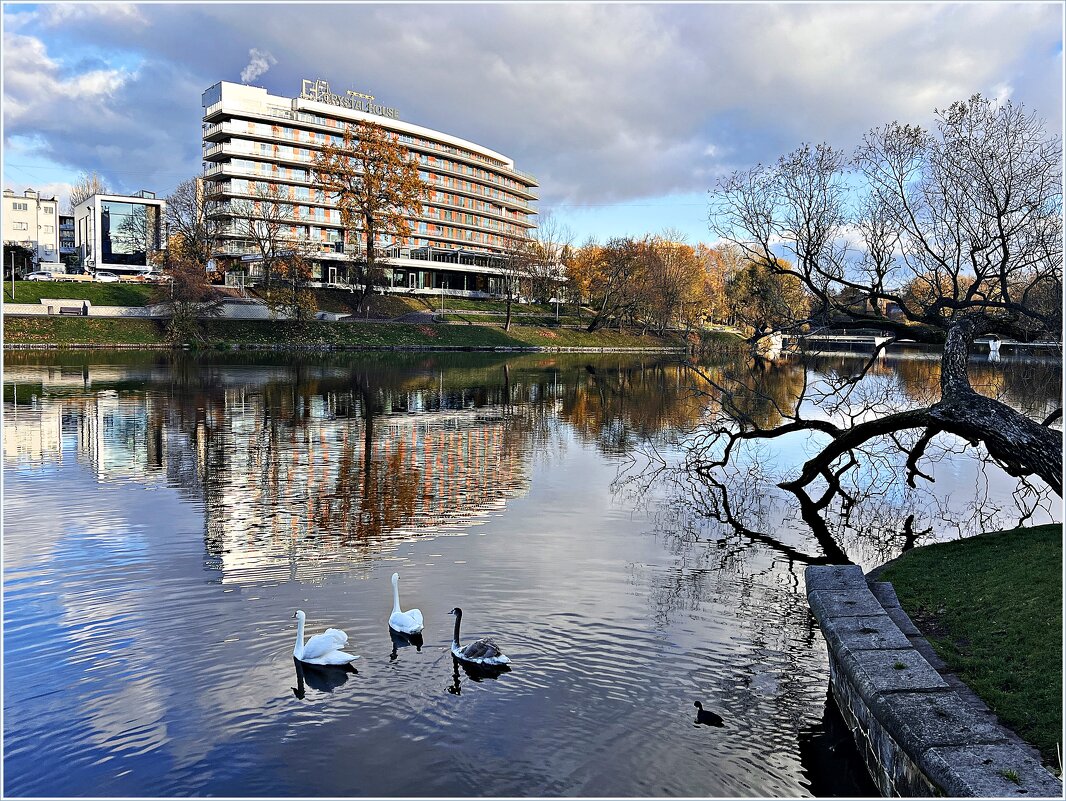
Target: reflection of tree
x=136 y=232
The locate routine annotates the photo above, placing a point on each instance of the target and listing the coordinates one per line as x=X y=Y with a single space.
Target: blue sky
x=625 y=113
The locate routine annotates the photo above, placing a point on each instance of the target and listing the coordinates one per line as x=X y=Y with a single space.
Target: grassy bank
x=220 y=333
x=991 y=606
x=113 y=294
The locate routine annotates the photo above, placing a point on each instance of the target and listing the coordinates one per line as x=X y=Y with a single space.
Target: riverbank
x=991 y=606
x=57 y=332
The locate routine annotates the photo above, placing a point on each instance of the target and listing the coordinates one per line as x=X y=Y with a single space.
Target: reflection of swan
x=322 y=678
x=401 y=640
x=479 y=652
x=474 y=672
x=707 y=718
x=409 y=622
x=322 y=649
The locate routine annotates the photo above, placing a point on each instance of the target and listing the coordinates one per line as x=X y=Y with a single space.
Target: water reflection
x=324 y=678
x=403 y=640
x=147 y=493
x=474 y=672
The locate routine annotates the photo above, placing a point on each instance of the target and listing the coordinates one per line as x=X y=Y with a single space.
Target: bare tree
x=86 y=185
x=284 y=250
x=516 y=265
x=190 y=230
x=549 y=247
x=935 y=236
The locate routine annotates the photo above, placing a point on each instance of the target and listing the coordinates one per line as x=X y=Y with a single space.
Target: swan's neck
x=298 y=651
x=395 y=597
x=455 y=636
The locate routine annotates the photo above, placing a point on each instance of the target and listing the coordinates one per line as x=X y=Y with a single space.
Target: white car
x=40 y=275
x=105 y=278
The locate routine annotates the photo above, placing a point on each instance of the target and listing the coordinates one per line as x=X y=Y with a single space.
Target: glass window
x=129 y=232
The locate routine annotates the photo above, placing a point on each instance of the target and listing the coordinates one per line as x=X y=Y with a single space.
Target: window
x=20 y=226
x=48 y=229
x=20 y=207
x=49 y=210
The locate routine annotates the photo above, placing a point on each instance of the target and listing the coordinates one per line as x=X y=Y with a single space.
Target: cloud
x=604 y=104
x=261 y=61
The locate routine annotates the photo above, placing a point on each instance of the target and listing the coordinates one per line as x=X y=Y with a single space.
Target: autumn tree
x=764 y=297
x=609 y=275
x=720 y=264
x=957 y=230
x=374 y=182
x=85 y=186
x=674 y=285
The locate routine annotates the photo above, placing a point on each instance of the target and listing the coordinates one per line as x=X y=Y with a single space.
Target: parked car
x=39 y=275
x=155 y=278
x=106 y=278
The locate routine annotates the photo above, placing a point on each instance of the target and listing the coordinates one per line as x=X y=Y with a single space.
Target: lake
x=166 y=515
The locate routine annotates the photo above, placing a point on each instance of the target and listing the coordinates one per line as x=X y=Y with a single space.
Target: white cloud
x=601 y=103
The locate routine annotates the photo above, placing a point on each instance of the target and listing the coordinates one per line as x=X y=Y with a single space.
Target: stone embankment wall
x=918 y=734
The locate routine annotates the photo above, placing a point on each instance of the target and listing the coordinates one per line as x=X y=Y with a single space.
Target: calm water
x=165 y=517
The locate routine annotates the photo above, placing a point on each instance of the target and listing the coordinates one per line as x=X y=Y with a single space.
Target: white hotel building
x=477 y=199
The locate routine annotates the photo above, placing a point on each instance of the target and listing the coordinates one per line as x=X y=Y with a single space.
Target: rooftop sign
x=318 y=90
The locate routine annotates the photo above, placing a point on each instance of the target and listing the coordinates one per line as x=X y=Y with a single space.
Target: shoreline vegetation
x=221 y=334
x=991 y=607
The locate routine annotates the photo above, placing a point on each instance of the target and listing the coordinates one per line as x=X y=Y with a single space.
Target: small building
x=68 y=252
x=32 y=222
x=119 y=233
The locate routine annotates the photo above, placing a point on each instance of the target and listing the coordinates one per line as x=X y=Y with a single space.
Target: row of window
x=298 y=174
x=25 y=206
x=287 y=210
x=276 y=151
x=407 y=139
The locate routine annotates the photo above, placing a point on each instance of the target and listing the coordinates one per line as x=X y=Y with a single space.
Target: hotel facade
x=477 y=200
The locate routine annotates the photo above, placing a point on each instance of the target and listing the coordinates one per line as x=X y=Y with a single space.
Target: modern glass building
x=118 y=233
x=252 y=139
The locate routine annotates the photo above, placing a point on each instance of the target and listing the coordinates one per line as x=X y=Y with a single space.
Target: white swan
x=479 y=652
x=322 y=649
x=409 y=622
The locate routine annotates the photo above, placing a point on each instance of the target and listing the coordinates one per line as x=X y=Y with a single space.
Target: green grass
x=516 y=319
x=991 y=606
x=451 y=304
x=113 y=294
x=83 y=331
x=73 y=330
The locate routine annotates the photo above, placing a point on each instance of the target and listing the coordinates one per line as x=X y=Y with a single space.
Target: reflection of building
x=32 y=435
x=252 y=139
x=300 y=489
x=32 y=221
x=118 y=232
x=337 y=492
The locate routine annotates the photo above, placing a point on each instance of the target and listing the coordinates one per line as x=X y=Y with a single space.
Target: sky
x=626 y=114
